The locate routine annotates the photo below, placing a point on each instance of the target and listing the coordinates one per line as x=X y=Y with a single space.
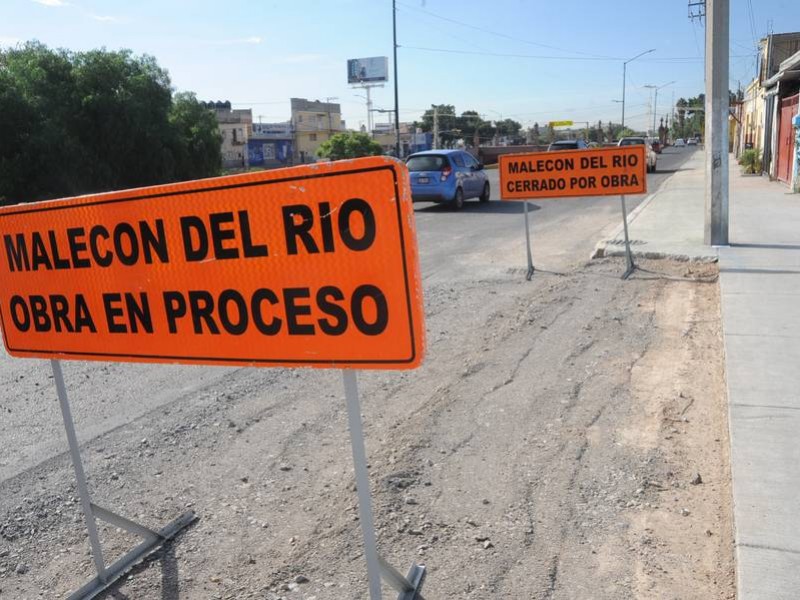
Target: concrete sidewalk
x=760 y=290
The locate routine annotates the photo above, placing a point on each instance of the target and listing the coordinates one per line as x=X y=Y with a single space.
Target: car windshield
x=631 y=142
x=428 y=162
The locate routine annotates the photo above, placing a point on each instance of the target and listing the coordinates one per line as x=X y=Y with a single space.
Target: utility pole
x=396 y=96
x=624 y=74
x=655 y=101
x=435 y=127
x=716 y=130
x=330 y=122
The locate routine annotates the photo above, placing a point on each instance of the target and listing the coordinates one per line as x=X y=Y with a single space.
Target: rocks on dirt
x=696 y=480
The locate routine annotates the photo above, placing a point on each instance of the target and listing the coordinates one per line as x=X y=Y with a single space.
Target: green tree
x=508 y=127
x=80 y=122
x=448 y=130
x=197 y=141
x=349 y=145
x=535 y=135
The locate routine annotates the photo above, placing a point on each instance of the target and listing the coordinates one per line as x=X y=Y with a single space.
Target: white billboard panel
x=368 y=70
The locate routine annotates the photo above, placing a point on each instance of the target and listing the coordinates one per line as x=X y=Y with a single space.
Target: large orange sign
x=589 y=172
x=314 y=266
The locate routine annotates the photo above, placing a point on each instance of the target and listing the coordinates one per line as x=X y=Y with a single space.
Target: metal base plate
x=94 y=587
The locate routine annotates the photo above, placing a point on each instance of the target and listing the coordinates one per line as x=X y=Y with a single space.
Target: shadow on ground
x=493 y=207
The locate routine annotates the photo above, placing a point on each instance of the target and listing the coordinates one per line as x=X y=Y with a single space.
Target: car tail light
x=446 y=173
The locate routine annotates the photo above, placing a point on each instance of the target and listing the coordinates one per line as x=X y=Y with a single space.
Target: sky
x=530 y=60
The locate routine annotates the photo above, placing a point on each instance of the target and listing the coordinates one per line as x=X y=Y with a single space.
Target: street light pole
x=624 y=74
x=396 y=97
x=655 y=101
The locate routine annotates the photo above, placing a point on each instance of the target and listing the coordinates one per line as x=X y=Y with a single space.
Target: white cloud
x=51 y=2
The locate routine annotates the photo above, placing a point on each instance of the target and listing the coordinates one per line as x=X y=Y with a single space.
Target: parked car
x=652 y=159
x=679 y=143
x=447 y=176
x=656 y=145
x=691 y=142
x=567 y=145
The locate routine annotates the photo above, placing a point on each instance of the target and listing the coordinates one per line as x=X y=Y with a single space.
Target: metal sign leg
x=362 y=483
x=529 y=274
x=80 y=476
x=410 y=586
x=107 y=575
x=631 y=266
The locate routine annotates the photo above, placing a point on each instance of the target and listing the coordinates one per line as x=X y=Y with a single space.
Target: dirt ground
x=566 y=438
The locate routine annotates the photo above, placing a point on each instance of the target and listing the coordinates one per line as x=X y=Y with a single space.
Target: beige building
x=313 y=122
x=235 y=127
x=752 y=117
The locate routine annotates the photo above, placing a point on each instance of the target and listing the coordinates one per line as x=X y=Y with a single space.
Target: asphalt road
x=481 y=241
x=491 y=237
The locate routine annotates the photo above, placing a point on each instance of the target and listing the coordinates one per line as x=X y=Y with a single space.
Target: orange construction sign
x=589 y=172
x=307 y=266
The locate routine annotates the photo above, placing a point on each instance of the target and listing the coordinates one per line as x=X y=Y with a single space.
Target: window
x=234 y=135
x=426 y=162
x=299 y=118
x=469 y=160
x=312 y=137
x=458 y=159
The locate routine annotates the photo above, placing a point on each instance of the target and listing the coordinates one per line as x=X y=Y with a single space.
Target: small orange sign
x=307 y=266
x=589 y=172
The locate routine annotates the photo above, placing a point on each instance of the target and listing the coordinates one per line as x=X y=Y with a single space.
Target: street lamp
x=655 y=101
x=624 y=74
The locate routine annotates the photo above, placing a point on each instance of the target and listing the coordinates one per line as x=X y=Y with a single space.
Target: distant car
x=656 y=145
x=691 y=142
x=447 y=176
x=652 y=159
x=679 y=143
x=567 y=145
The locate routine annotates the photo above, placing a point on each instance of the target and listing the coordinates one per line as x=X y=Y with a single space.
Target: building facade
x=411 y=139
x=234 y=127
x=270 y=145
x=312 y=123
x=769 y=105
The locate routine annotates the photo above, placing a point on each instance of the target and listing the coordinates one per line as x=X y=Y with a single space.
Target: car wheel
x=654 y=167
x=458 y=199
x=484 y=197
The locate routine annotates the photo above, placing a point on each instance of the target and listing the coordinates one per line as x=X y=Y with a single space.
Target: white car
x=652 y=158
x=691 y=142
x=679 y=143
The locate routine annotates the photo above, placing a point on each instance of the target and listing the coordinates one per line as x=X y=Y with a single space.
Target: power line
x=752 y=19
x=670 y=59
x=499 y=34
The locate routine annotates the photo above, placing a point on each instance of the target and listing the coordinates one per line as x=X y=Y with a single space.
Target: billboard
x=368 y=70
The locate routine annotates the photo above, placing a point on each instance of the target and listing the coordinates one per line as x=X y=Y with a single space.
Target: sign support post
x=80 y=475
x=410 y=586
x=106 y=576
x=529 y=274
x=631 y=266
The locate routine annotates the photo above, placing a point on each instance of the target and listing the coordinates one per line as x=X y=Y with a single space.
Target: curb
x=600 y=249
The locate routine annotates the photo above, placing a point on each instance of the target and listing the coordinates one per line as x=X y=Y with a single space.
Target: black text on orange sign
x=589 y=172
x=309 y=266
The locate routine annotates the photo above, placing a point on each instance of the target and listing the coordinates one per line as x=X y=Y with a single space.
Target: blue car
x=447 y=176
